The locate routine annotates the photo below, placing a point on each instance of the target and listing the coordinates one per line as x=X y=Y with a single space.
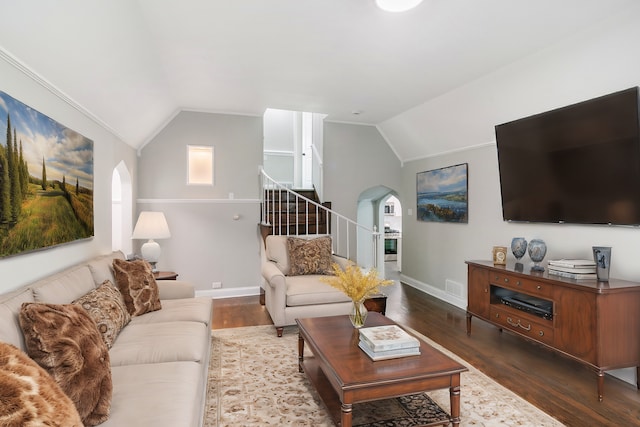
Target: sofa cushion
x=10 y=305
x=137 y=285
x=188 y=309
x=102 y=267
x=65 y=341
x=30 y=397
x=158 y=395
x=106 y=307
x=309 y=290
x=309 y=256
x=160 y=343
x=64 y=287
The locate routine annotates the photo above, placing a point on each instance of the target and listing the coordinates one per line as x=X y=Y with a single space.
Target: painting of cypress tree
x=38 y=208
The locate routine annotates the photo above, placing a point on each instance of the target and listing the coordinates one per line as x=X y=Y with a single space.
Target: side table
x=165 y=275
x=377 y=303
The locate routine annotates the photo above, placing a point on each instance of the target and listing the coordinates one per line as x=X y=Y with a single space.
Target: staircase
x=288 y=212
x=296 y=212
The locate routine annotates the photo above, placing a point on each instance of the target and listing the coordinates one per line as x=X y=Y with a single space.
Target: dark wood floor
x=555 y=384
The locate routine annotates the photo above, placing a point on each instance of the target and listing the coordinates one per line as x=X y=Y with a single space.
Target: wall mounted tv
x=578 y=164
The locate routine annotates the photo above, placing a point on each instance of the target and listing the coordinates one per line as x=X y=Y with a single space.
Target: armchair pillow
x=29 y=396
x=65 y=341
x=309 y=256
x=137 y=285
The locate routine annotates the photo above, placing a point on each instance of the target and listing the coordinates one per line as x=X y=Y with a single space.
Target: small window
x=200 y=165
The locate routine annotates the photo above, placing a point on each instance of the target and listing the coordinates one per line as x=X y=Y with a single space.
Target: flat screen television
x=578 y=164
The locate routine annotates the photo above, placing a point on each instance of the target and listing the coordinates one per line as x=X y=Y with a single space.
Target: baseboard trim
x=433 y=291
x=229 y=292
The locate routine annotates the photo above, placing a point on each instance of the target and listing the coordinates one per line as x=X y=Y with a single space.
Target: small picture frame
x=499 y=255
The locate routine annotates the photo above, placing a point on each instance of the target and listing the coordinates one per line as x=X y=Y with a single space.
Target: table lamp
x=151 y=225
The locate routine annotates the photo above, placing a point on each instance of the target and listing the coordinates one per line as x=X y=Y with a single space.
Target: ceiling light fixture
x=397 y=5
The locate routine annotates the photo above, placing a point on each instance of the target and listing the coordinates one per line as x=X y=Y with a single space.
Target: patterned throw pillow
x=65 y=341
x=309 y=256
x=106 y=307
x=29 y=396
x=137 y=285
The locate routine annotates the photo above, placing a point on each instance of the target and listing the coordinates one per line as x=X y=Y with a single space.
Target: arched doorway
x=372 y=211
x=121 y=209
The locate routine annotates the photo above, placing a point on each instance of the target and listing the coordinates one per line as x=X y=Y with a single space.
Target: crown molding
x=51 y=88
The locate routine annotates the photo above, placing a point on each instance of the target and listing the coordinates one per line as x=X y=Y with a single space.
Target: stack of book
x=579 y=269
x=388 y=342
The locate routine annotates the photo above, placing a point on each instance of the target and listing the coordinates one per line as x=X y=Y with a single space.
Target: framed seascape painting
x=441 y=194
x=46 y=181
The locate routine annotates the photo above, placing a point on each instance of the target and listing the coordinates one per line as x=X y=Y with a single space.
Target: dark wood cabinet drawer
x=521 y=323
x=519 y=284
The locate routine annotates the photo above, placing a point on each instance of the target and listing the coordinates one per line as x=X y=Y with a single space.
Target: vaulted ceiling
x=134 y=64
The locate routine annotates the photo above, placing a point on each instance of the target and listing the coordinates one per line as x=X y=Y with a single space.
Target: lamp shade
x=151 y=225
x=397 y=5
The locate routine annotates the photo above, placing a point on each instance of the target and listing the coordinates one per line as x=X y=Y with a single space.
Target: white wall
x=108 y=152
x=595 y=62
x=356 y=159
x=207 y=244
x=280 y=144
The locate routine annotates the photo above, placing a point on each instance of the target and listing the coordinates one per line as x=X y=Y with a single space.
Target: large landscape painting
x=46 y=181
x=442 y=194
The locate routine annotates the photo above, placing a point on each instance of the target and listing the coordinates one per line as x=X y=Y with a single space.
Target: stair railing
x=344 y=231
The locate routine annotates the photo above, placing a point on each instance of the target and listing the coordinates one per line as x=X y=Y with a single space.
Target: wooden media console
x=596 y=323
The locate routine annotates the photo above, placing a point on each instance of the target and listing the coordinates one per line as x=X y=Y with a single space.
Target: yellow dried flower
x=354 y=283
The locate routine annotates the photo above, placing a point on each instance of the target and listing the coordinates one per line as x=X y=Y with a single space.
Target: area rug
x=254 y=381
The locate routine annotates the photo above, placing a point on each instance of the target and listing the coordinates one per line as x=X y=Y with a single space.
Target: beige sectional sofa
x=159 y=360
x=290 y=296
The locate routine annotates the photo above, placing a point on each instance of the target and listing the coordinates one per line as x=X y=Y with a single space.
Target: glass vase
x=358 y=314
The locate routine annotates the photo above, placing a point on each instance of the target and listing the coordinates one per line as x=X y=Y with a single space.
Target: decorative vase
x=518 y=247
x=358 y=314
x=537 y=251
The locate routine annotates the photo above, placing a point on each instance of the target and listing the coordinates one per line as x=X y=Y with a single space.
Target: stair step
x=277 y=195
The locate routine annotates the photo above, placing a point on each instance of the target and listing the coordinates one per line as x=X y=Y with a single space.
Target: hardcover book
x=573 y=263
x=384 y=338
x=576 y=276
x=586 y=269
x=389 y=354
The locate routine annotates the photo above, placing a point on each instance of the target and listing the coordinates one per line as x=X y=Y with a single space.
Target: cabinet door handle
x=538 y=287
x=506 y=280
x=518 y=324
x=541 y=333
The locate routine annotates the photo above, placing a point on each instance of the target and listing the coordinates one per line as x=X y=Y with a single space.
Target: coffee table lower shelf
x=329 y=397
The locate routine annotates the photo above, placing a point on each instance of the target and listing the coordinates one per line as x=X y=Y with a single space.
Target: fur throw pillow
x=65 y=341
x=29 y=397
x=309 y=256
x=137 y=285
x=106 y=306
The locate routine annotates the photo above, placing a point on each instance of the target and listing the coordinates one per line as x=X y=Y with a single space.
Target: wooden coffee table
x=343 y=374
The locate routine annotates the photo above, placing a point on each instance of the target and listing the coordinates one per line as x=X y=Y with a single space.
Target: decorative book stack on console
x=388 y=342
x=596 y=323
x=579 y=269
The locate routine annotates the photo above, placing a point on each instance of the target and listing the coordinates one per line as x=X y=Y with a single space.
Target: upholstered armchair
x=292 y=267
